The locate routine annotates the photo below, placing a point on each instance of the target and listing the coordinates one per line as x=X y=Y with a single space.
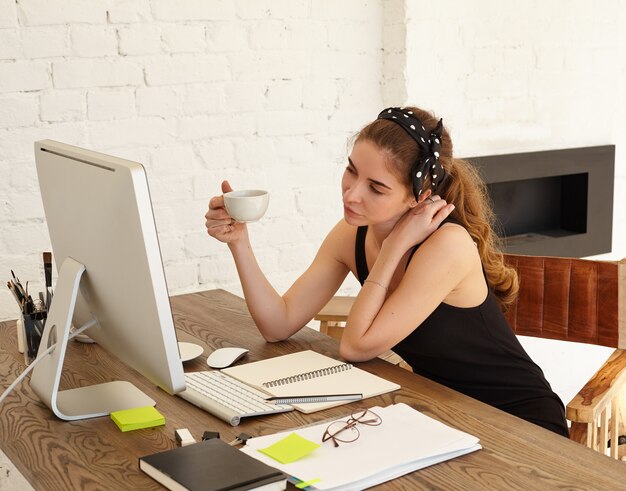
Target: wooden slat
x=557 y=275
x=583 y=307
x=578 y=432
x=608 y=297
x=593 y=430
x=530 y=298
x=614 y=426
x=603 y=440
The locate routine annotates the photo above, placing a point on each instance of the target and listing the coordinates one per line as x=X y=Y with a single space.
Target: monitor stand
x=83 y=402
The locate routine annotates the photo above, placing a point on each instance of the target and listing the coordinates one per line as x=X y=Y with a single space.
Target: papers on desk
x=406 y=441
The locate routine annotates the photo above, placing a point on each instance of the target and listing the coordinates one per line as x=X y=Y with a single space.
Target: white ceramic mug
x=248 y=205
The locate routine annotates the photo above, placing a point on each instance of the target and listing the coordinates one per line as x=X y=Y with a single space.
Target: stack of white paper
x=406 y=440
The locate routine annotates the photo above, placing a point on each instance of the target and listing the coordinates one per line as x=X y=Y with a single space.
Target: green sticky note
x=306 y=484
x=137 y=418
x=291 y=448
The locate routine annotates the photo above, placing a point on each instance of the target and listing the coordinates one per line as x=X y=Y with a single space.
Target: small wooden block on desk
x=337 y=309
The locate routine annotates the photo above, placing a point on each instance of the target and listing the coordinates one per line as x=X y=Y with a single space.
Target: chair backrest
x=570 y=299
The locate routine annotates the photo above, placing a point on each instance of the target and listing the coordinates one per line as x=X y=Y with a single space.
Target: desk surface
x=94 y=454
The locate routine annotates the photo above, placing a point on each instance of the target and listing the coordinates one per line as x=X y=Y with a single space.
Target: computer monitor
x=105 y=246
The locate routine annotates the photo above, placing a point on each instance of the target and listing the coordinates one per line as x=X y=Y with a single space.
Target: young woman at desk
x=417 y=234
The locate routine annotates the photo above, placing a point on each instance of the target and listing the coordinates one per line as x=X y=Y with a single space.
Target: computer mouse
x=224 y=357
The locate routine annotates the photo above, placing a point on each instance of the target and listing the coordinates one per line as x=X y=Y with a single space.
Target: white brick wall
x=80 y=72
x=158 y=101
x=10 y=45
x=262 y=93
x=18 y=110
x=60 y=12
x=22 y=76
x=93 y=41
x=139 y=39
x=183 y=39
x=45 y=42
x=63 y=105
x=8 y=14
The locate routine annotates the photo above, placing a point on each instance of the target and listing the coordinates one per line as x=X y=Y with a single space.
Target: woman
x=417 y=234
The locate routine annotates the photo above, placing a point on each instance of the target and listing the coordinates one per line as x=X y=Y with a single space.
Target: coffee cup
x=246 y=206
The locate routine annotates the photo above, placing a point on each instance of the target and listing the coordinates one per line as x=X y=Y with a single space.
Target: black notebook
x=211 y=465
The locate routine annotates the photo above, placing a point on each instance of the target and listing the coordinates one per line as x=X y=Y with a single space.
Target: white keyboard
x=226 y=397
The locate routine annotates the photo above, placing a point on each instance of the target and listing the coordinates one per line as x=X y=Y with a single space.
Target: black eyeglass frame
x=357 y=417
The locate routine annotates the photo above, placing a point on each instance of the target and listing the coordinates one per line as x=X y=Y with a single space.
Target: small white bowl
x=189 y=351
x=246 y=206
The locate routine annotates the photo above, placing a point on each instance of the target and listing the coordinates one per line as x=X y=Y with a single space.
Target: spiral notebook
x=310 y=373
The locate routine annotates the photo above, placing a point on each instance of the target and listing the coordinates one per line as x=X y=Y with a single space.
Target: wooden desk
x=94 y=454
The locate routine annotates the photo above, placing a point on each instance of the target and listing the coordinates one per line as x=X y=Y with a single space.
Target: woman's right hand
x=418 y=223
x=219 y=224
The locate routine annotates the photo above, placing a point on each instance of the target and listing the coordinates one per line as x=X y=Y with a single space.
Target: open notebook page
x=310 y=373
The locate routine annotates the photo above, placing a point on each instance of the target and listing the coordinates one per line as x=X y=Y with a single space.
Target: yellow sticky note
x=137 y=418
x=291 y=448
x=306 y=484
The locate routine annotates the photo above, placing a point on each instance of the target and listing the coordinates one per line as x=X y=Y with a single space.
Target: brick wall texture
x=268 y=93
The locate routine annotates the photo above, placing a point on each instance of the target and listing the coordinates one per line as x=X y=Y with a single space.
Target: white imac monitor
x=105 y=246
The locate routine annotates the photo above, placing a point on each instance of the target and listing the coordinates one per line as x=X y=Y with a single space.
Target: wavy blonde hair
x=463 y=187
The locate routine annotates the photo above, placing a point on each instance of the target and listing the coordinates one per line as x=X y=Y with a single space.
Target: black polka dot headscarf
x=429 y=147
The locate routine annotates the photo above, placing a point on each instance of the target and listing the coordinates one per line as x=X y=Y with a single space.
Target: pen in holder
x=34 y=312
x=32 y=329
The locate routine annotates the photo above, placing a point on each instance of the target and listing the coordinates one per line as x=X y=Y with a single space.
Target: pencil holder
x=32 y=330
x=19 y=325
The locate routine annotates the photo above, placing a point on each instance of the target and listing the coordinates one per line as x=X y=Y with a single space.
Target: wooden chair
x=565 y=299
x=583 y=301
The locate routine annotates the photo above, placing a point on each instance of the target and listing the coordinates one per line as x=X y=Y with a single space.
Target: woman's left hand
x=419 y=222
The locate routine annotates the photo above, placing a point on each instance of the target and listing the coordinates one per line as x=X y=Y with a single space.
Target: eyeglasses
x=347 y=431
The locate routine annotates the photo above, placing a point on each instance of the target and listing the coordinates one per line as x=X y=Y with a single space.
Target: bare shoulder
x=340 y=232
x=451 y=256
x=452 y=235
x=451 y=245
x=340 y=241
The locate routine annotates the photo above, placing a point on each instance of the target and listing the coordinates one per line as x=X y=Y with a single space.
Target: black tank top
x=474 y=351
